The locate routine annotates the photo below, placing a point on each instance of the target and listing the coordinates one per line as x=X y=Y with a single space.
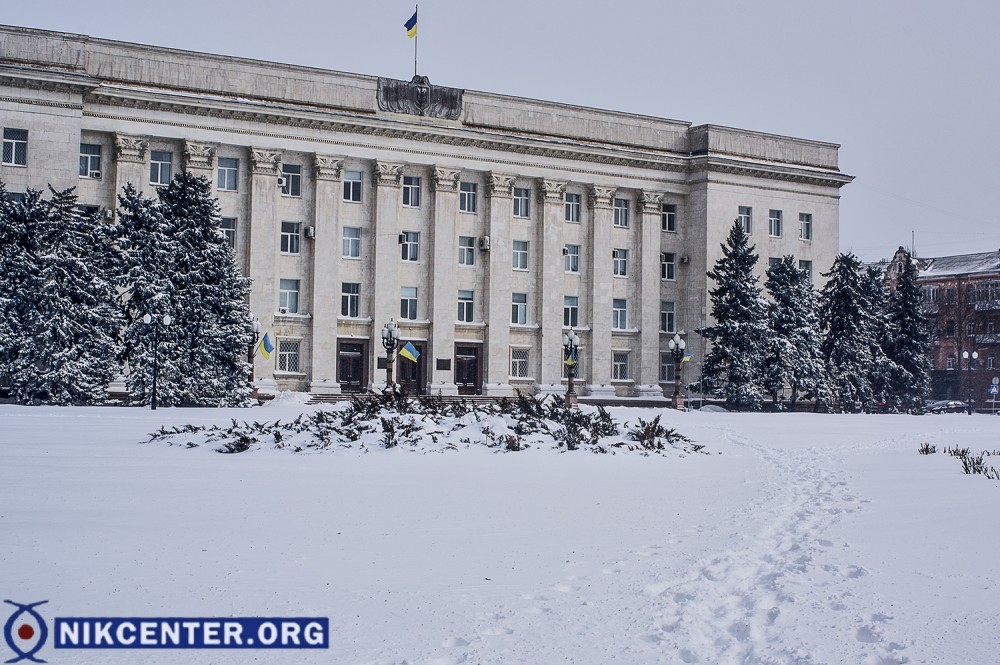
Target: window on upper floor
x=291 y=234
x=228 y=227
x=774 y=223
x=160 y=167
x=351 y=244
x=411 y=191
x=667 y=317
x=352 y=186
x=350 y=299
x=668 y=266
x=228 y=174
x=805 y=226
x=467 y=194
x=466 y=251
x=291 y=175
x=619 y=262
x=408 y=302
x=573 y=205
x=409 y=246
x=522 y=200
x=288 y=296
x=621 y=213
x=571 y=258
x=745 y=218
x=619 y=314
x=571 y=311
x=466 y=305
x=668 y=217
x=519 y=255
x=15 y=147
x=90 y=160
x=519 y=308
x=807 y=268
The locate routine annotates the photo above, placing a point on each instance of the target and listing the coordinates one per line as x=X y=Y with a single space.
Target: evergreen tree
x=883 y=372
x=68 y=318
x=910 y=346
x=794 y=358
x=19 y=220
x=212 y=327
x=733 y=368
x=847 y=344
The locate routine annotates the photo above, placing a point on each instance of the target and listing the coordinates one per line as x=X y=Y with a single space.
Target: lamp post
x=968 y=374
x=390 y=340
x=676 y=346
x=252 y=351
x=570 y=341
x=147 y=319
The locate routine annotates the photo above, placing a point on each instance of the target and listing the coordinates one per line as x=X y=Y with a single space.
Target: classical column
x=326 y=287
x=387 y=178
x=199 y=159
x=499 y=190
x=647 y=369
x=265 y=166
x=130 y=164
x=444 y=289
x=550 y=277
x=601 y=201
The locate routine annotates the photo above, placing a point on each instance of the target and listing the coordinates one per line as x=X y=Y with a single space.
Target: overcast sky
x=909 y=89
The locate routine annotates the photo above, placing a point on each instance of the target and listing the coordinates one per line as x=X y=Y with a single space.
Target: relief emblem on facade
x=418 y=97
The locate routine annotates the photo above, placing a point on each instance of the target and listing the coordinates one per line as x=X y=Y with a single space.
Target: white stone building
x=485 y=225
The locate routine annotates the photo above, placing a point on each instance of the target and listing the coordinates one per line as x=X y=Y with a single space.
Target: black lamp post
x=147 y=319
x=968 y=374
x=676 y=346
x=570 y=341
x=390 y=340
x=252 y=351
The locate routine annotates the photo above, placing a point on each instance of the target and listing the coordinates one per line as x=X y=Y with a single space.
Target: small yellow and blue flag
x=266 y=347
x=411 y=25
x=409 y=352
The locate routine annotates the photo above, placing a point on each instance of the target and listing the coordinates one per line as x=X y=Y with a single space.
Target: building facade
x=485 y=225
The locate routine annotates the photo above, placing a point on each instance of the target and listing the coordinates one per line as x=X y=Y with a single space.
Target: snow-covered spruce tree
x=212 y=327
x=911 y=342
x=883 y=372
x=18 y=266
x=733 y=368
x=848 y=335
x=793 y=359
x=69 y=316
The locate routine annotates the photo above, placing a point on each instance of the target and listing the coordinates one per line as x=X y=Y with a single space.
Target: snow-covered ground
x=799 y=538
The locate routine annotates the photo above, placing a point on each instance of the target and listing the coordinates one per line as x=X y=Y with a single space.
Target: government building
x=484 y=225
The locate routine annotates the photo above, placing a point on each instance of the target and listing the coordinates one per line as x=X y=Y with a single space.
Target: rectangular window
x=522 y=197
x=228 y=227
x=467 y=196
x=805 y=226
x=774 y=223
x=519 y=363
x=411 y=191
x=949 y=362
x=466 y=251
x=573 y=207
x=930 y=294
x=159 y=167
x=90 y=160
x=410 y=247
x=668 y=266
x=288 y=296
x=666 y=368
x=288 y=355
x=408 y=302
x=745 y=219
x=619 y=314
x=619 y=366
x=773 y=261
x=807 y=268
x=619 y=261
x=15 y=147
x=667 y=317
x=351 y=242
x=571 y=311
x=352 y=186
x=292 y=176
x=290 y=236
x=989 y=363
x=229 y=169
x=668 y=217
x=621 y=213
x=951 y=296
x=350 y=299
x=519 y=308
x=571 y=258
x=519 y=256
x=949 y=328
x=466 y=305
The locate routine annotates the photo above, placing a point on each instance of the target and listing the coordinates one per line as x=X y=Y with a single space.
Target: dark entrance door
x=410 y=375
x=467 y=370
x=351 y=366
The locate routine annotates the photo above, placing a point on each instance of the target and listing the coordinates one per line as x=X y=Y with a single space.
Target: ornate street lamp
x=390 y=340
x=968 y=374
x=166 y=320
x=570 y=342
x=676 y=346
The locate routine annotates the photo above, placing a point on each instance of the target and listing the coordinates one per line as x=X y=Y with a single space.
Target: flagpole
x=416 y=37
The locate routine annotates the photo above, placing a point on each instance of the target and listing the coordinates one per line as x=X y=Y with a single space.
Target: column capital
x=327 y=167
x=387 y=174
x=445 y=179
x=499 y=185
x=649 y=202
x=551 y=191
x=130 y=148
x=602 y=197
x=265 y=162
x=198 y=156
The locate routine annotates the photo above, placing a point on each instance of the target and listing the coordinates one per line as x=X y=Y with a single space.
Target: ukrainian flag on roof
x=411 y=25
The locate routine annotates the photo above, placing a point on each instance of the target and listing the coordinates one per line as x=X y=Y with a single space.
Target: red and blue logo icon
x=25 y=632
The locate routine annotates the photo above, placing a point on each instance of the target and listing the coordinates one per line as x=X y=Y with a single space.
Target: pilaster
x=326 y=287
x=601 y=201
x=499 y=191
x=647 y=369
x=550 y=275
x=265 y=165
x=444 y=292
x=387 y=178
x=130 y=162
x=199 y=158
